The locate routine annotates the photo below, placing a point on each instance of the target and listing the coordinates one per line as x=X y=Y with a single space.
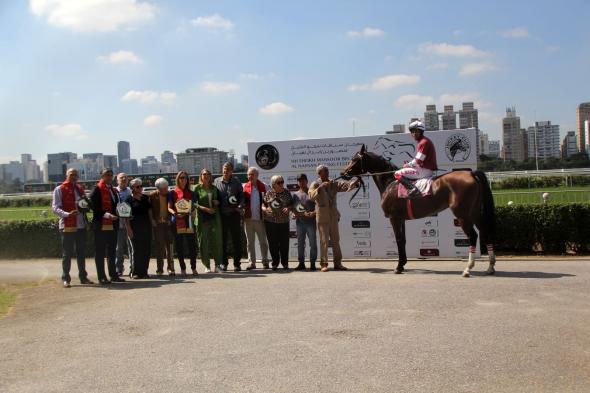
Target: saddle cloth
x=423 y=185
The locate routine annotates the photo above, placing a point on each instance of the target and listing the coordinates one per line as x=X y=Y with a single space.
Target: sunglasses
x=136 y=187
x=182 y=178
x=281 y=182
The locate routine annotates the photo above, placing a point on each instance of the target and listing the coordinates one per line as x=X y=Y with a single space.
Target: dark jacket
x=98 y=211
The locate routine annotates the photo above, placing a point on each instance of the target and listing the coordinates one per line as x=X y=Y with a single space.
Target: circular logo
x=457 y=148
x=300 y=208
x=267 y=157
x=233 y=200
x=275 y=204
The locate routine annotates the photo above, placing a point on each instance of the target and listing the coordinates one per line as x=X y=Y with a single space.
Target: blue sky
x=78 y=75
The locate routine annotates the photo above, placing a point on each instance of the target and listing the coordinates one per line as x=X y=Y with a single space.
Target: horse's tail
x=488 y=211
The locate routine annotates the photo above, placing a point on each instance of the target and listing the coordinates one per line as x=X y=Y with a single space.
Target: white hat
x=417 y=125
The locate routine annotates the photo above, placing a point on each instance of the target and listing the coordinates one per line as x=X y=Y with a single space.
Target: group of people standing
x=210 y=216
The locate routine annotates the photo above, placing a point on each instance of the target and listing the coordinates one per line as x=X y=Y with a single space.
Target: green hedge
x=523 y=229
x=540 y=182
x=551 y=229
x=40 y=201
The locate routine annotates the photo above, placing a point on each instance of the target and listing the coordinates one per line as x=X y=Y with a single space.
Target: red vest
x=248 y=195
x=68 y=204
x=182 y=223
x=107 y=204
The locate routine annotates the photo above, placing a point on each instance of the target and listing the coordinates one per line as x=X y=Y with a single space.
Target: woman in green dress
x=206 y=200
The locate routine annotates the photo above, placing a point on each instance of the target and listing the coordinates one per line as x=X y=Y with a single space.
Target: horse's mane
x=383 y=165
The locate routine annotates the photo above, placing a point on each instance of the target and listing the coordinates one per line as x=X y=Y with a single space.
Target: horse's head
x=356 y=165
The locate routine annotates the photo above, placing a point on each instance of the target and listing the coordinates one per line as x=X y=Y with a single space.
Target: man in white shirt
x=124 y=193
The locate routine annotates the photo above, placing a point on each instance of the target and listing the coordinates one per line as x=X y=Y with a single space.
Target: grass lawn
x=25 y=213
x=534 y=195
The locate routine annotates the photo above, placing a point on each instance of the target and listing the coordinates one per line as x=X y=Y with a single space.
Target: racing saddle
x=411 y=189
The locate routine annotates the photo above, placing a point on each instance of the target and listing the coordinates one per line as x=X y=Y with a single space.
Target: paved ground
x=367 y=330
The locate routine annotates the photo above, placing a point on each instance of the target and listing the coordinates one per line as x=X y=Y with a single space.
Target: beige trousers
x=255 y=228
x=329 y=233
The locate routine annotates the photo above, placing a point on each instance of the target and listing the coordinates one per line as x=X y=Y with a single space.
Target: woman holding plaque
x=180 y=206
x=208 y=222
x=139 y=230
x=276 y=208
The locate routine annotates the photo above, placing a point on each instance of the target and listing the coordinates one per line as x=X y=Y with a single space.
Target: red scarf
x=68 y=204
x=182 y=223
x=107 y=203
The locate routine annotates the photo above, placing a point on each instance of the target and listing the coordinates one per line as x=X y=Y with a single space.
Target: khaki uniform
x=327 y=216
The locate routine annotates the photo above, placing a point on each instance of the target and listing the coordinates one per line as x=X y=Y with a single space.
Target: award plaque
x=123 y=210
x=300 y=208
x=233 y=200
x=83 y=205
x=183 y=206
x=275 y=204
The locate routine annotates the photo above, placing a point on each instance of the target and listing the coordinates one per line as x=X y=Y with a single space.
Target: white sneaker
x=207 y=270
x=251 y=266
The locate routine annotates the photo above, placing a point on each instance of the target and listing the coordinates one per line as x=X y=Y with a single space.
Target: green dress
x=208 y=226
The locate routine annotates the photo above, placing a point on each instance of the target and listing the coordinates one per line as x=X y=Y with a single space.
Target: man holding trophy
x=305 y=219
x=181 y=208
x=70 y=204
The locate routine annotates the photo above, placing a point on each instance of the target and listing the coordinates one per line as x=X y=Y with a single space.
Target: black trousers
x=71 y=241
x=278 y=242
x=106 y=245
x=188 y=240
x=139 y=252
x=231 y=226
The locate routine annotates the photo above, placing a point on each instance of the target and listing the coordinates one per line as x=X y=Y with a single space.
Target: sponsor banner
x=362 y=218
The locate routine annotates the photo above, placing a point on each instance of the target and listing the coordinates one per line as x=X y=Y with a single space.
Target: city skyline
x=173 y=75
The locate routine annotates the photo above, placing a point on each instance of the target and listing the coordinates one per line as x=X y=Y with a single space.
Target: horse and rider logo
x=457 y=148
x=267 y=157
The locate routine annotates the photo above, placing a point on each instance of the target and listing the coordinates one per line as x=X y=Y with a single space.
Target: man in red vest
x=423 y=165
x=72 y=226
x=105 y=199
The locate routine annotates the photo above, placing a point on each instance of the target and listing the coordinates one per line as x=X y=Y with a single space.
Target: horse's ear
x=363 y=149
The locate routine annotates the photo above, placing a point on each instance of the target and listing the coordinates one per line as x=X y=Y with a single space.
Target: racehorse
x=467 y=193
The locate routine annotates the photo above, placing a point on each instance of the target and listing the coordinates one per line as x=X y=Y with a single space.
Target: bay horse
x=467 y=193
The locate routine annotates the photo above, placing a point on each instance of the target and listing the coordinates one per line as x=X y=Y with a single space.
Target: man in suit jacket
x=105 y=199
x=160 y=218
x=323 y=192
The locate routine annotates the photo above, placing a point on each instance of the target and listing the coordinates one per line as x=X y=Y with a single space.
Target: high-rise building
x=484 y=144
x=129 y=166
x=543 y=140
x=150 y=164
x=57 y=164
x=397 y=129
x=32 y=170
x=468 y=117
x=587 y=139
x=123 y=151
x=168 y=163
x=431 y=118
x=195 y=159
x=582 y=114
x=513 y=137
x=93 y=165
x=13 y=171
x=110 y=161
x=494 y=147
x=449 y=118
x=569 y=145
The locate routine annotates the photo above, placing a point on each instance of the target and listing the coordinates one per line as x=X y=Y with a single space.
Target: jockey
x=423 y=165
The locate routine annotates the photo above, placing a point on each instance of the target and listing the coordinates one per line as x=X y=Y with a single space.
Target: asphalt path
x=527 y=329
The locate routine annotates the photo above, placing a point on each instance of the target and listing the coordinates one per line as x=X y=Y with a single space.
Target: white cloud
x=413 y=101
x=93 y=15
x=476 y=68
x=516 y=32
x=275 y=109
x=438 y=66
x=387 y=82
x=213 y=22
x=367 y=32
x=120 y=57
x=444 y=49
x=152 y=120
x=219 y=87
x=149 y=96
x=72 y=130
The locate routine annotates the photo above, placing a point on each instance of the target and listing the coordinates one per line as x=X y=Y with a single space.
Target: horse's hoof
x=398 y=271
x=466 y=274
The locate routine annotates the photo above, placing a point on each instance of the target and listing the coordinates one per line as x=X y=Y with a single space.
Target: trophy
x=183 y=206
x=123 y=210
x=233 y=200
x=83 y=204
